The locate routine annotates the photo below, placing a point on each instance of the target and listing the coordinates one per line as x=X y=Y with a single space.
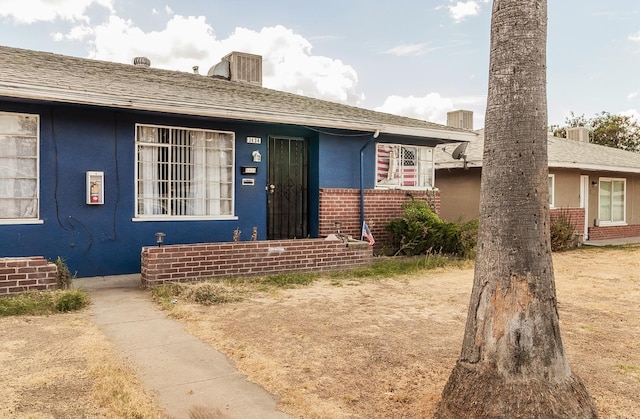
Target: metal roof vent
x=460 y=119
x=222 y=70
x=239 y=66
x=578 y=134
x=142 y=62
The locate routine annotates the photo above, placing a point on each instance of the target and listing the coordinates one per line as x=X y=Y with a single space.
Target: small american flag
x=366 y=234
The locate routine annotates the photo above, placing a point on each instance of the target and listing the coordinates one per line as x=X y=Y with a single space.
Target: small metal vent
x=142 y=62
x=222 y=70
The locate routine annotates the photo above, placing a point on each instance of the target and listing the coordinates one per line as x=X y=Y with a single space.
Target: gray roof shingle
x=36 y=75
x=561 y=152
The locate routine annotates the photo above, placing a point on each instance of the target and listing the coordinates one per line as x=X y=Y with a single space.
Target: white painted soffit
x=21 y=91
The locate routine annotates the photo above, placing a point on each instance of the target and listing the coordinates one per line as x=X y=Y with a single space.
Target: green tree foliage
x=421 y=231
x=619 y=131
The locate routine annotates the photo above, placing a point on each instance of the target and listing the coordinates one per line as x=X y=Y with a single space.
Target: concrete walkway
x=188 y=377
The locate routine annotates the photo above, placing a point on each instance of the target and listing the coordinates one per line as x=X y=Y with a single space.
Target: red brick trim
x=22 y=274
x=613 y=232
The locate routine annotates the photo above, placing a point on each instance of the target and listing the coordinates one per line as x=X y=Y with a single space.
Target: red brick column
x=21 y=274
x=380 y=207
x=576 y=216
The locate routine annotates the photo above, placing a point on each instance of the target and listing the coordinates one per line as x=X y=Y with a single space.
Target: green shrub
x=563 y=232
x=421 y=231
x=70 y=300
x=37 y=303
x=63 y=274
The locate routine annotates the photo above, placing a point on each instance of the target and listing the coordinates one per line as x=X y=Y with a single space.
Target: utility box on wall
x=95 y=188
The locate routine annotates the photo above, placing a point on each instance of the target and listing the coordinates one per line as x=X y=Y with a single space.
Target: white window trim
x=604 y=223
x=432 y=187
x=182 y=218
x=36 y=219
x=552 y=191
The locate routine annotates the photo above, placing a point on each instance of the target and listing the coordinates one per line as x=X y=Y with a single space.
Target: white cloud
x=633 y=113
x=461 y=10
x=30 y=11
x=185 y=42
x=433 y=107
x=410 y=49
x=632 y=95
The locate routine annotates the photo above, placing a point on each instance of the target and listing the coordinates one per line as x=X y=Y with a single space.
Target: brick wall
x=576 y=215
x=23 y=274
x=201 y=261
x=613 y=232
x=380 y=207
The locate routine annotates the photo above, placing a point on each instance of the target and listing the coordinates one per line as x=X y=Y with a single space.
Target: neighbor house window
x=552 y=181
x=184 y=173
x=402 y=166
x=612 y=200
x=19 y=167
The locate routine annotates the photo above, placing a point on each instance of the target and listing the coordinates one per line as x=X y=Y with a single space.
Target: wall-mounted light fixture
x=160 y=238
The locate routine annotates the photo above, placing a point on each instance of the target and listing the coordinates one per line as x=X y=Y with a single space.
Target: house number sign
x=254 y=140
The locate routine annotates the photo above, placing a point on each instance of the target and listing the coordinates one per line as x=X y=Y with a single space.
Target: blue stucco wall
x=98 y=240
x=339 y=161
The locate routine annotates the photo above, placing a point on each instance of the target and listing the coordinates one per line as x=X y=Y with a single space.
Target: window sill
x=18 y=221
x=406 y=188
x=611 y=224
x=181 y=219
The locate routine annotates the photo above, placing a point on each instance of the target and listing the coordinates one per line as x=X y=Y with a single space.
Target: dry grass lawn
x=345 y=348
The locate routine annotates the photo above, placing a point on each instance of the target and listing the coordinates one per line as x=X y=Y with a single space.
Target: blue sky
x=413 y=58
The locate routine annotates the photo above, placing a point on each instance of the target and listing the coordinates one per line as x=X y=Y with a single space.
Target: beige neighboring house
x=598 y=186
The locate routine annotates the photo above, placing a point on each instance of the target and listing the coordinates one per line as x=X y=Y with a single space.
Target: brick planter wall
x=380 y=207
x=613 y=232
x=23 y=274
x=201 y=261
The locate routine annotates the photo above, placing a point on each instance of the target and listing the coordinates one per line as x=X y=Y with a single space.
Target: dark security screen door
x=287 y=189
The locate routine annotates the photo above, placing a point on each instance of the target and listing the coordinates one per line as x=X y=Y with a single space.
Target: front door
x=287 y=189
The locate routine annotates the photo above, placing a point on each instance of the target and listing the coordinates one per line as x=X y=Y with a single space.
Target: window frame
x=429 y=172
x=168 y=217
x=610 y=221
x=36 y=219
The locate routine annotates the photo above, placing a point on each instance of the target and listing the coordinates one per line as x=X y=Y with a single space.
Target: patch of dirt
x=45 y=367
x=349 y=349
x=383 y=349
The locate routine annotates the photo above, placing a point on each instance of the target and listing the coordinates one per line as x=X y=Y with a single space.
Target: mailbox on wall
x=95 y=188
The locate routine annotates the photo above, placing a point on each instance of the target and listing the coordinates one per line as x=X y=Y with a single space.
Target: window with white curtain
x=612 y=199
x=19 y=167
x=403 y=166
x=184 y=173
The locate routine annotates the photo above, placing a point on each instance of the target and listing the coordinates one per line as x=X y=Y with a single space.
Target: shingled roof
x=43 y=76
x=561 y=152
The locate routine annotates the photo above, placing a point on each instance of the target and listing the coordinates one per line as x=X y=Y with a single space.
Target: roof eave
x=593 y=167
x=556 y=165
x=193 y=109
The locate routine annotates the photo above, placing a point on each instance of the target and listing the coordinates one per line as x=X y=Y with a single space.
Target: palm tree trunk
x=513 y=363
